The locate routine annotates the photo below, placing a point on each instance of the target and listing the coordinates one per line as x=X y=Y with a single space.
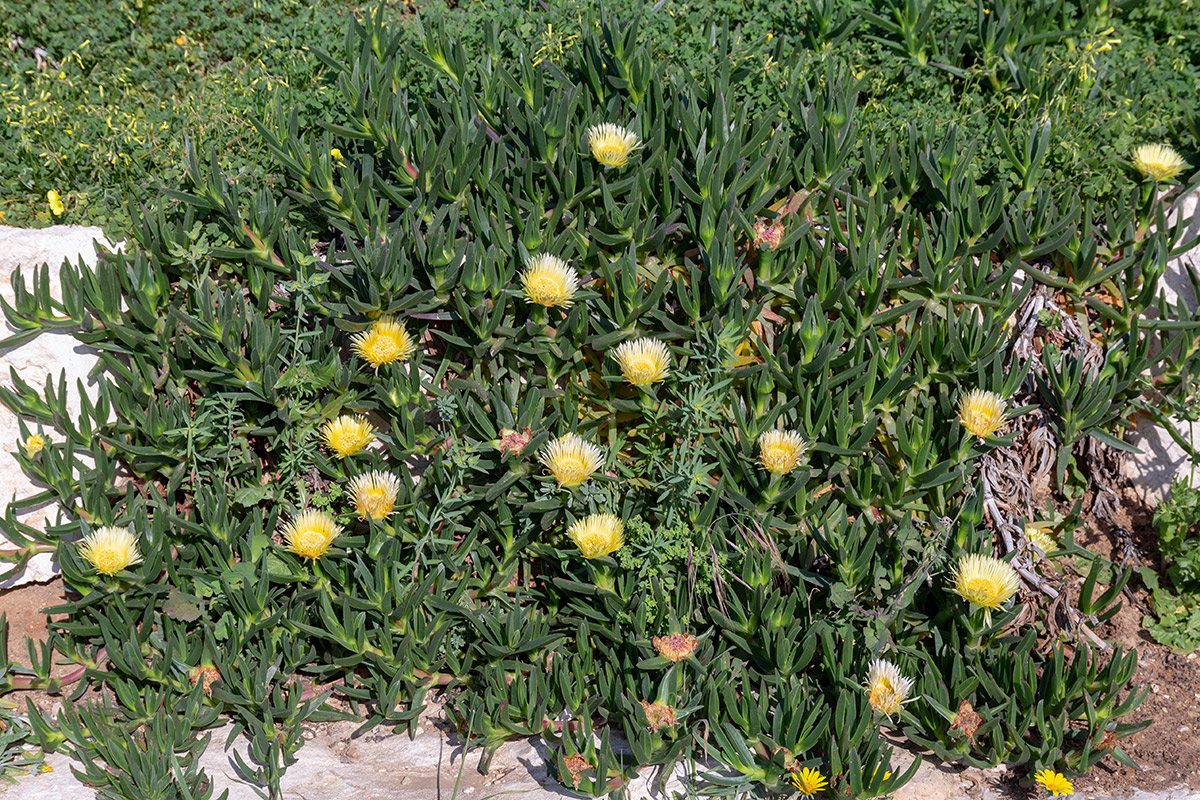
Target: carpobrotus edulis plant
x=110 y=549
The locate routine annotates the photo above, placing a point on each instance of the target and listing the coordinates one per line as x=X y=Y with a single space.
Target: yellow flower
x=809 y=781
x=310 y=534
x=1054 y=783
x=335 y=154
x=385 y=342
x=347 y=435
x=34 y=444
x=111 y=550
x=1159 y=162
x=597 y=535
x=985 y=581
x=643 y=361
x=56 y=204
x=611 y=144
x=887 y=689
x=548 y=281
x=780 y=452
x=1042 y=539
x=571 y=459
x=374 y=494
x=981 y=412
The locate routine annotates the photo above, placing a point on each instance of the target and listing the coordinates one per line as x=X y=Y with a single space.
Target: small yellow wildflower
x=374 y=494
x=548 y=281
x=347 y=435
x=887 y=689
x=310 y=534
x=34 y=443
x=643 y=361
x=781 y=451
x=1159 y=162
x=597 y=535
x=110 y=550
x=1042 y=539
x=571 y=459
x=981 y=412
x=611 y=144
x=985 y=581
x=385 y=342
x=1054 y=783
x=56 y=204
x=809 y=781
x=335 y=154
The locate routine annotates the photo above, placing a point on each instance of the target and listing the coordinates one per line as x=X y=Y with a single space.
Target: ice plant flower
x=1043 y=540
x=643 y=361
x=985 y=581
x=887 y=689
x=1054 y=783
x=374 y=494
x=548 y=281
x=34 y=443
x=809 y=781
x=571 y=459
x=386 y=341
x=1158 y=162
x=347 y=435
x=611 y=144
x=54 y=200
x=675 y=646
x=597 y=535
x=110 y=550
x=982 y=412
x=310 y=534
x=780 y=452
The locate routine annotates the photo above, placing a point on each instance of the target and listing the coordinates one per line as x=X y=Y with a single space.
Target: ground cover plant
x=98 y=102
x=582 y=395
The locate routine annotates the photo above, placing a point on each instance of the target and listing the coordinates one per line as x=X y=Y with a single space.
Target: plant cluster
x=579 y=392
x=1176 y=606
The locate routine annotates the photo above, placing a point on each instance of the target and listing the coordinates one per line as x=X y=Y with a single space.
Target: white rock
x=48 y=354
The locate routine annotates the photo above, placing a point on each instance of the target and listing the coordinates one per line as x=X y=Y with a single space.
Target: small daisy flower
x=643 y=361
x=110 y=550
x=780 y=452
x=548 y=281
x=1054 y=783
x=981 y=412
x=571 y=459
x=597 y=535
x=34 y=444
x=887 y=689
x=611 y=144
x=310 y=534
x=386 y=341
x=809 y=781
x=347 y=435
x=985 y=581
x=1159 y=162
x=374 y=494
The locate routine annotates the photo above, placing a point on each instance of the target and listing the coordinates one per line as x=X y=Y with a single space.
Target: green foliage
x=1177 y=522
x=804 y=271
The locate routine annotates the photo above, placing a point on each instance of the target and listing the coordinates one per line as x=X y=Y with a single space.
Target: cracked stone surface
x=49 y=354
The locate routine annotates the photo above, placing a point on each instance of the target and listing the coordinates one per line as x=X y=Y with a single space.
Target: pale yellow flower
x=110 y=550
x=985 y=581
x=887 y=689
x=597 y=535
x=386 y=341
x=335 y=154
x=809 y=781
x=643 y=361
x=374 y=494
x=34 y=443
x=1042 y=539
x=1054 y=783
x=571 y=459
x=310 y=534
x=982 y=412
x=55 y=202
x=347 y=435
x=548 y=281
x=611 y=144
x=781 y=451
x=1158 y=162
